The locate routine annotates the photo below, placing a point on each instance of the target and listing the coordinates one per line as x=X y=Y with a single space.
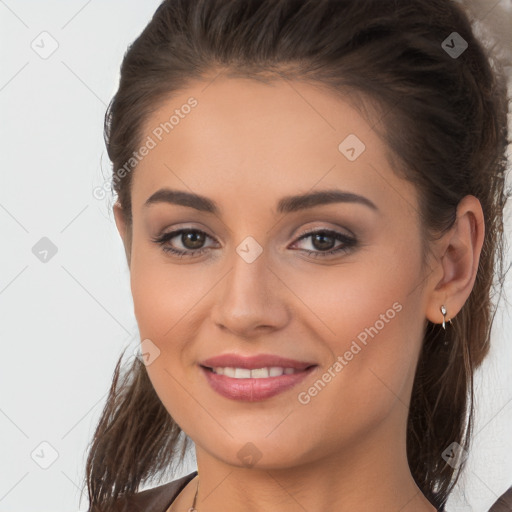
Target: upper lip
x=253 y=362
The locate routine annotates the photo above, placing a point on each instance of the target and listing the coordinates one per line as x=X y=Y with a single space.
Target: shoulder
x=157 y=499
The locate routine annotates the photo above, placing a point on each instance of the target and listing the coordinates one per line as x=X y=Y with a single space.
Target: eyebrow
x=286 y=204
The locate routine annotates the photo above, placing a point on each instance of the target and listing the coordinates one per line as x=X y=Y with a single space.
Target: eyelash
x=348 y=241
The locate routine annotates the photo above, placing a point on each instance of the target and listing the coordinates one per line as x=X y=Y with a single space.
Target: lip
x=253 y=362
x=252 y=390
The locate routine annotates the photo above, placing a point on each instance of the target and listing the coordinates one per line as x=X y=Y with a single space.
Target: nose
x=251 y=299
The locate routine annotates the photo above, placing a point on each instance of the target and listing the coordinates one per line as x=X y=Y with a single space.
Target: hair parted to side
x=444 y=120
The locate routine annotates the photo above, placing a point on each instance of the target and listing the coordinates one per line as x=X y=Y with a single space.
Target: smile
x=253 y=384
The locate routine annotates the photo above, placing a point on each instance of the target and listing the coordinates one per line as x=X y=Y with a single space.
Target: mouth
x=254 y=362
x=254 y=384
x=255 y=373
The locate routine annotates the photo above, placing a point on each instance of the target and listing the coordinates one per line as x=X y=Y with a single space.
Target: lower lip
x=251 y=390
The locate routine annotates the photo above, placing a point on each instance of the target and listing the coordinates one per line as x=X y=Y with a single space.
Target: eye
x=325 y=239
x=192 y=240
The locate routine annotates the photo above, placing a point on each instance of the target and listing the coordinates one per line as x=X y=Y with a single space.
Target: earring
x=443 y=311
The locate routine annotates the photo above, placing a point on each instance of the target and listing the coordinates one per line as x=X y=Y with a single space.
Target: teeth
x=257 y=373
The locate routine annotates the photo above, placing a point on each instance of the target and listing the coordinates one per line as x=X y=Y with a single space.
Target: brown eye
x=323 y=242
x=191 y=240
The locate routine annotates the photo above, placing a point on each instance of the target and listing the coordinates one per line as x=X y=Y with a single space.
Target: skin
x=246 y=145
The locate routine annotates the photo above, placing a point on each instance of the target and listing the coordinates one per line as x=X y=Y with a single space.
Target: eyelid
x=335 y=230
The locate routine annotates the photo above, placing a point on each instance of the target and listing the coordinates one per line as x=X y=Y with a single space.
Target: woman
x=310 y=197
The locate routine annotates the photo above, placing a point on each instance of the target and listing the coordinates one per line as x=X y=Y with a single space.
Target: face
x=338 y=284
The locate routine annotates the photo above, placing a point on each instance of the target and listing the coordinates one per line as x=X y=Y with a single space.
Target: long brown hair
x=444 y=119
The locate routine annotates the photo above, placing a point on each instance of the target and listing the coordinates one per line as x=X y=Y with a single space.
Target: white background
x=63 y=323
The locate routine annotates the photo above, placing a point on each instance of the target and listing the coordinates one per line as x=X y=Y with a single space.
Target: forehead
x=235 y=134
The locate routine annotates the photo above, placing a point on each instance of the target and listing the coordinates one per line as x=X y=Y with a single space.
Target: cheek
x=372 y=325
x=164 y=299
x=342 y=302
x=165 y=295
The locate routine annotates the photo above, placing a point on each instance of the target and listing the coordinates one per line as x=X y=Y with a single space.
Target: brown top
x=504 y=503
x=158 y=499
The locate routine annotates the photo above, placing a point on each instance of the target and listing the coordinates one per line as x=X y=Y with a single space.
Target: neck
x=355 y=478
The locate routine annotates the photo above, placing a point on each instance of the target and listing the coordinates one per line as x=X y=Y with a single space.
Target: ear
x=123 y=229
x=458 y=257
